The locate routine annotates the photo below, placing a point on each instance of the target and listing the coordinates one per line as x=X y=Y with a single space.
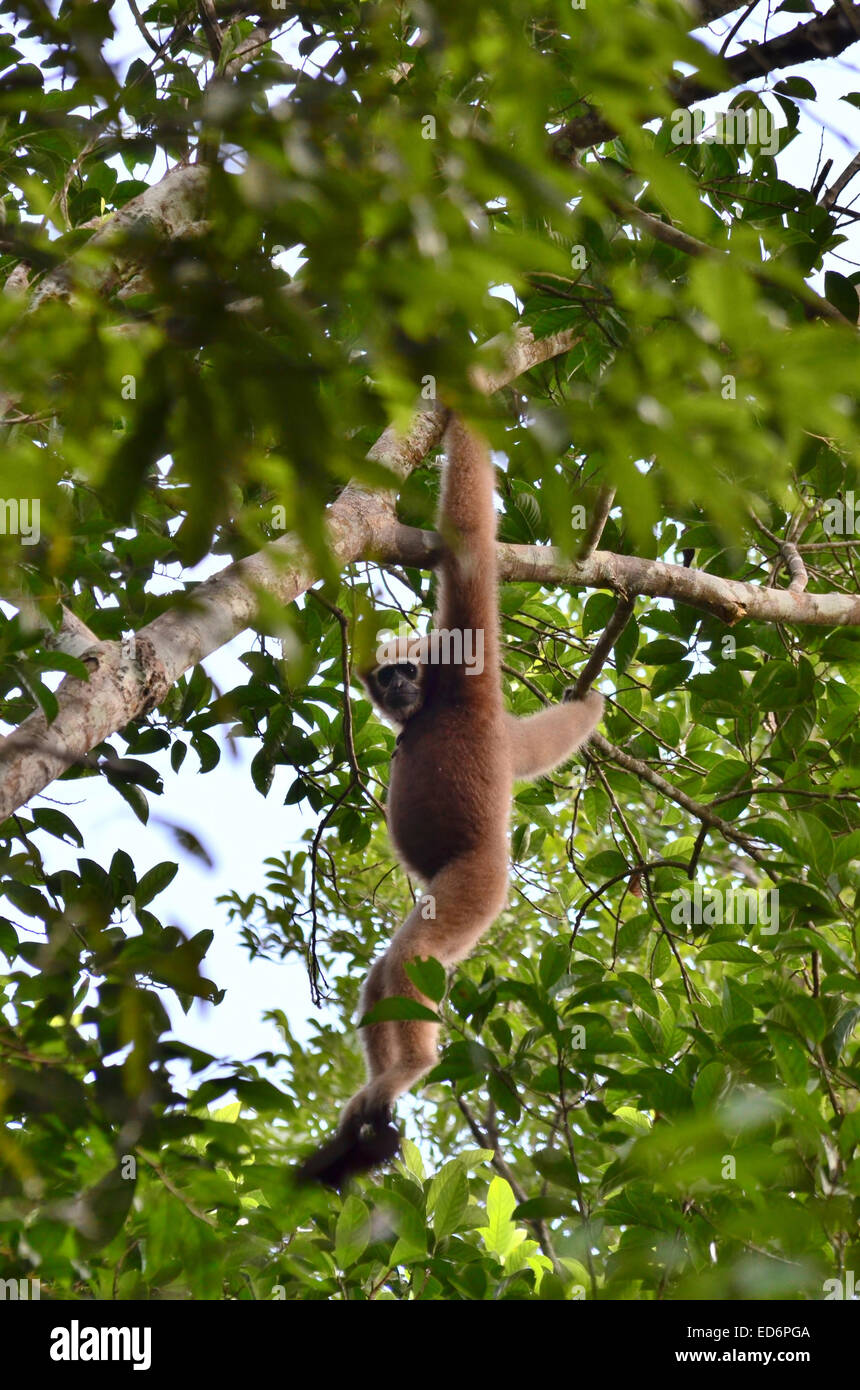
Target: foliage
x=625 y=1106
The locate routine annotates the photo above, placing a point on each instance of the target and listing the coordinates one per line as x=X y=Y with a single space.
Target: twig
x=840 y=182
x=138 y=19
x=610 y=635
x=826 y=35
x=736 y=26
x=176 y=1192
x=795 y=566
x=602 y=508
x=695 y=808
x=766 y=275
x=209 y=22
x=501 y=1166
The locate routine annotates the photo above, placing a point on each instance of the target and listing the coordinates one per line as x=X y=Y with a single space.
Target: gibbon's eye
x=384 y=675
x=410 y=668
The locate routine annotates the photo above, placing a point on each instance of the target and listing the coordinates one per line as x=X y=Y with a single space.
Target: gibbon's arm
x=468 y=582
x=541 y=741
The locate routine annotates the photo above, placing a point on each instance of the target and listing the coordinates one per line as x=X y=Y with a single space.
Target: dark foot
x=366 y=1144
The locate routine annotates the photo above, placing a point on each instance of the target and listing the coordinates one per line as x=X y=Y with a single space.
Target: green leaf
x=661 y=653
x=790 y=1057
x=543 y=1209
x=57 y=823
x=499 y=1234
x=135 y=798
x=670 y=677
x=395 y=1008
x=731 y=951
x=411 y=1158
x=154 y=882
x=797 y=86
x=8 y=940
x=429 y=977
x=408 y=1221
x=553 y=962
x=807 y=1015
x=842 y=294
x=710 y=1082
x=352 y=1231
x=448 y=1198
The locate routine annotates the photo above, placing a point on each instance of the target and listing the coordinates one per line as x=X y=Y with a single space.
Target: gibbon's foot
x=356 y=1148
x=592 y=698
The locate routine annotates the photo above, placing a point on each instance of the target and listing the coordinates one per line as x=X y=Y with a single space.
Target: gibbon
x=457 y=756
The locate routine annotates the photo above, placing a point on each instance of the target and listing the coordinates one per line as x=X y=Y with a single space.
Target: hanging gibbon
x=458 y=754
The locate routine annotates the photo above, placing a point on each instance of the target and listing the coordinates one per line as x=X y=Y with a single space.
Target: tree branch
x=130 y=678
x=694 y=808
x=767 y=274
x=841 y=181
x=138 y=19
x=610 y=635
x=209 y=24
x=600 y=516
x=826 y=36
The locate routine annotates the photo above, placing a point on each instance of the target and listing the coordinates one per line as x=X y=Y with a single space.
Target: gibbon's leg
x=352 y=1149
x=379 y=1040
x=542 y=741
x=468 y=895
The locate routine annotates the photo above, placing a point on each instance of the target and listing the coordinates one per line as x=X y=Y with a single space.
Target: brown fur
x=451 y=781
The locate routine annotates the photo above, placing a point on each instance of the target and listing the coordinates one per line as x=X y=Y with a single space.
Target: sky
x=237 y=825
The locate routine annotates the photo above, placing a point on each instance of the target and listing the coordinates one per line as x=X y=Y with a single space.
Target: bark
x=171 y=208
x=730 y=600
x=128 y=679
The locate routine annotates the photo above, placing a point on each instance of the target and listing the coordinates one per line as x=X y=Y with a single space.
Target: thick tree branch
x=728 y=599
x=169 y=209
x=130 y=678
x=826 y=36
x=72 y=636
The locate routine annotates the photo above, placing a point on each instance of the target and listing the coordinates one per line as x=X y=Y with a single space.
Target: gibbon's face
x=395 y=689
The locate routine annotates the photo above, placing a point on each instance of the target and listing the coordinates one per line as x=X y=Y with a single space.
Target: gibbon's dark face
x=395 y=689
